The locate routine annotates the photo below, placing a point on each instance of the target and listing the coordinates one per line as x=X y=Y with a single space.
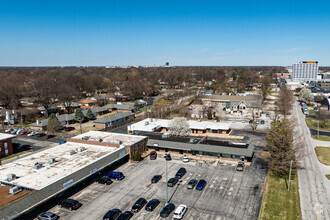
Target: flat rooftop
x=111 y=138
x=4 y=136
x=65 y=164
x=6 y=197
x=152 y=124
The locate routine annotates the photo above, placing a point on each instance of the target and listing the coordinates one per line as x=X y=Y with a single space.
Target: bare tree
x=284 y=101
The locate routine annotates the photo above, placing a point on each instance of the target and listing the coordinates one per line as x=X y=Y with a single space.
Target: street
x=314 y=187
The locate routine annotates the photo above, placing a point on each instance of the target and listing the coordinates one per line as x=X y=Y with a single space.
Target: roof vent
x=51 y=161
x=72 y=152
x=146 y=123
x=14 y=190
x=11 y=177
x=99 y=139
x=85 y=138
x=81 y=149
x=37 y=166
x=118 y=142
x=151 y=120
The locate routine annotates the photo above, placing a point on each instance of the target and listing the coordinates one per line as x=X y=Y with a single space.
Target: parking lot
x=229 y=194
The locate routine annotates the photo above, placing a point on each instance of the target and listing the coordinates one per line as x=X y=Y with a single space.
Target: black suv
x=167 y=210
x=138 y=205
x=112 y=214
x=181 y=172
x=125 y=215
x=70 y=204
x=172 y=182
x=104 y=180
x=156 y=178
x=168 y=157
x=152 y=204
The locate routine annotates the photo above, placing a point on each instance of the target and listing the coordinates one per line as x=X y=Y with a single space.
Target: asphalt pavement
x=314 y=187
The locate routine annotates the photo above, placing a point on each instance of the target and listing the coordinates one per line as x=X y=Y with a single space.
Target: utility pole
x=290 y=176
x=166 y=183
x=318 y=129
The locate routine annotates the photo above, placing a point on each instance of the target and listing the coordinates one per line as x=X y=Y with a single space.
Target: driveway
x=314 y=187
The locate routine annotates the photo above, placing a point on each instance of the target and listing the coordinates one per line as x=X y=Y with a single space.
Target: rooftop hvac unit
x=85 y=138
x=146 y=123
x=81 y=149
x=151 y=120
x=51 y=161
x=37 y=166
x=11 y=177
x=118 y=142
x=192 y=140
x=15 y=189
x=99 y=139
x=72 y=152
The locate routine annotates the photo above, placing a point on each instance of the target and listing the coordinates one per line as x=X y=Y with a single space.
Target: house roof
x=231 y=97
x=230 y=150
x=124 y=106
x=113 y=117
x=249 y=103
x=66 y=117
x=87 y=101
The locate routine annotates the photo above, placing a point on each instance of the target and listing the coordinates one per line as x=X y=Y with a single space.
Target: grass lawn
x=311 y=112
x=278 y=202
x=312 y=123
x=14 y=155
x=322 y=138
x=323 y=154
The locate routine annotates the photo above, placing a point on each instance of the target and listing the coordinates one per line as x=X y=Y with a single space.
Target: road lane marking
x=239 y=183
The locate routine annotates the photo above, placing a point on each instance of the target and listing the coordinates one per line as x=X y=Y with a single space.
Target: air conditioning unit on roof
x=11 y=177
x=14 y=190
x=81 y=149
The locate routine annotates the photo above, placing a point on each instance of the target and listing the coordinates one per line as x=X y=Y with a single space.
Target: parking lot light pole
x=166 y=183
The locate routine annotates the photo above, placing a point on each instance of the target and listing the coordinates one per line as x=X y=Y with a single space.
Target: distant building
x=305 y=70
x=6 y=146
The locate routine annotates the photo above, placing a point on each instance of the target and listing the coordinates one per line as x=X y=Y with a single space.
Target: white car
x=185 y=159
x=180 y=211
x=31 y=134
x=19 y=131
x=8 y=130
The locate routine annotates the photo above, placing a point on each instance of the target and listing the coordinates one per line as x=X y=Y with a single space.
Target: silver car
x=191 y=184
x=47 y=216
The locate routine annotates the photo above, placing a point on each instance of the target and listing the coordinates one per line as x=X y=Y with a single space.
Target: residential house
x=113 y=120
x=122 y=107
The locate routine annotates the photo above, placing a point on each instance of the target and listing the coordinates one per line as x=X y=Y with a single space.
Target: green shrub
x=136 y=156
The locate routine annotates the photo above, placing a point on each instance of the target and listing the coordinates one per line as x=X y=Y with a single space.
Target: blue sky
x=69 y=33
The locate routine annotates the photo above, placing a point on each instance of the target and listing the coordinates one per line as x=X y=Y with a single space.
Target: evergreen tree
x=53 y=123
x=89 y=114
x=79 y=117
x=279 y=143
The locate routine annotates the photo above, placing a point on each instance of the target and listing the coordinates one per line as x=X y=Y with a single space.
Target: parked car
x=23 y=132
x=181 y=172
x=156 y=178
x=115 y=175
x=23 y=147
x=201 y=184
x=138 y=205
x=185 y=159
x=9 y=130
x=240 y=166
x=153 y=155
x=168 y=157
x=171 y=182
x=180 y=211
x=13 y=131
x=151 y=205
x=112 y=214
x=41 y=134
x=104 y=180
x=47 y=216
x=191 y=184
x=125 y=216
x=167 y=210
x=49 y=136
x=69 y=128
x=19 y=131
x=70 y=204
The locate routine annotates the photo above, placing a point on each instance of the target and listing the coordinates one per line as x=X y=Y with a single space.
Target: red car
x=23 y=132
x=49 y=136
x=69 y=128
